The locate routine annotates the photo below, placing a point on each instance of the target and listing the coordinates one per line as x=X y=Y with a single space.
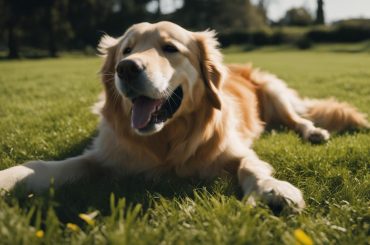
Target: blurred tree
x=19 y=13
x=8 y=25
x=69 y=24
x=262 y=9
x=90 y=18
x=34 y=23
x=56 y=24
x=11 y=18
x=222 y=15
x=297 y=17
x=133 y=11
x=159 y=11
x=320 y=17
x=86 y=19
x=254 y=18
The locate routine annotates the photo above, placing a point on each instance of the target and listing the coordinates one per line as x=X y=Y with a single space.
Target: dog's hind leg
x=38 y=175
x=281 y=105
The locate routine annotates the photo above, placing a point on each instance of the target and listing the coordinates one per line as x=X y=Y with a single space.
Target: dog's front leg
x=38 y=175
x=255 y=177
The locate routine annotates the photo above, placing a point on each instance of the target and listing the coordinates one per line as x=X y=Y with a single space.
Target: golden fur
x=224 y=109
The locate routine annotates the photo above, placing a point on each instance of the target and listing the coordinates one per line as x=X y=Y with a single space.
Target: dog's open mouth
x=147 y=112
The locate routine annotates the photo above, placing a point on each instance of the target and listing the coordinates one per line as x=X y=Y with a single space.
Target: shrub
x=261 y=37
x=257 y=38
x=321 y=35
x=354 y=30
x=304 y=43
x=285 y=36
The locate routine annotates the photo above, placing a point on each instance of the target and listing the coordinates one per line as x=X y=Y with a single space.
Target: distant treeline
x=34 y=27
x=354 y=30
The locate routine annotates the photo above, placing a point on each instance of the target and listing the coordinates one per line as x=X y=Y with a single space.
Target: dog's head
x=162 y=71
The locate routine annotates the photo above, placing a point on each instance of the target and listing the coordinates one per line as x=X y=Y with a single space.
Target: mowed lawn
x=45 y=114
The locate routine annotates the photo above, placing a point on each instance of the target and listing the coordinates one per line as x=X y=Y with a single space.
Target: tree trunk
x=53 y=52
x=12 y=40
x=159 y=11
x=320 y=16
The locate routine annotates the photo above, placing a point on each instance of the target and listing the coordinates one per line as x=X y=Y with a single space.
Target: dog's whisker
x=170 y=99
x=173 y=92
x=110 y=74
x=170 y=92
x=115 y=95
x=110 y=79
x=166 y=95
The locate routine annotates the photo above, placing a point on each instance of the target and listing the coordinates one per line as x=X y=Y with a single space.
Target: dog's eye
x=127 y=50
x=170 y=49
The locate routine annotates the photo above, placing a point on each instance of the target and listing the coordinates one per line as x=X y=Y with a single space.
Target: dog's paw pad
x=317 y=136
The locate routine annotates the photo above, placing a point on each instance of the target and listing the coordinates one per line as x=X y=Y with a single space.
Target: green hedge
x=258 y=38
x=355 y=30
x=344 y=31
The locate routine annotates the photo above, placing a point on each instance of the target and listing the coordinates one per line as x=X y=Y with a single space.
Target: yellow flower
x=89 y=218
x=302 y=238
x=73 y=227
x=39 y=234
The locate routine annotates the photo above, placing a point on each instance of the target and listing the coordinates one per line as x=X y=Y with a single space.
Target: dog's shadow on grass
x=283 y=129
x=94 y=193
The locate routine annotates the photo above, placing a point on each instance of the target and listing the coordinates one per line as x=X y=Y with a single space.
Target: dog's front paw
x=7 y=182
x=10 y=177
x=279 y=195
x=317 y=135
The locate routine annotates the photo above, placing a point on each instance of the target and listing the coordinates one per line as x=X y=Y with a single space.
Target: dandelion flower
x=89 y=218
x=302 y=238
x=39 y=234
x=73 y=227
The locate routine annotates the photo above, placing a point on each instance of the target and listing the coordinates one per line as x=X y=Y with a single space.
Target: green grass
x=45 y=114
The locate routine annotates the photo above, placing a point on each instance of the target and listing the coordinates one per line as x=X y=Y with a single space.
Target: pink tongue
x=142 y=110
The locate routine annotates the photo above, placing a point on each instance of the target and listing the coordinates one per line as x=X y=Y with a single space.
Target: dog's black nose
x=129 y=69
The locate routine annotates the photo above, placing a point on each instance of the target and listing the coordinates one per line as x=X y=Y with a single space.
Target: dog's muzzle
x=132 y=79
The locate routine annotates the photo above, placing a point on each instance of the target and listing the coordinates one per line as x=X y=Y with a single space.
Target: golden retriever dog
x=171 y=106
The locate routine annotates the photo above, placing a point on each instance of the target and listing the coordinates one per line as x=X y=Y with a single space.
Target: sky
x=334 y=9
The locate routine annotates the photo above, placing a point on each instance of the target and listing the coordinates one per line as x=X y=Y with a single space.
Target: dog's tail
x=335 y=116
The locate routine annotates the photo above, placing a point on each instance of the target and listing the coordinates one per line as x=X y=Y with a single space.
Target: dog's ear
x=107 y=48
x=210 y=60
